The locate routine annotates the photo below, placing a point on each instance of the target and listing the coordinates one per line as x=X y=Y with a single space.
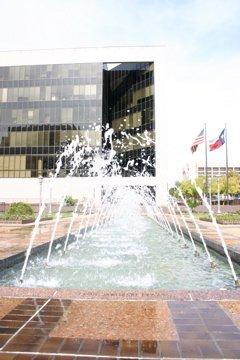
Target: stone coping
x=212 y=240
x=143 y=295
x=216 y=246
x=19 y=256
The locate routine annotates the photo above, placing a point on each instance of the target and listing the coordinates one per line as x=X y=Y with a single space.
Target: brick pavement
x=58 y=328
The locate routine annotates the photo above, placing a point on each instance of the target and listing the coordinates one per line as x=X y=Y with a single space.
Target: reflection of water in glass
x=133 y=252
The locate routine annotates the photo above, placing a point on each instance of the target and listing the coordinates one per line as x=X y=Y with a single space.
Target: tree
x=173 y=192
x=233 y=183
x=213 y=187
x=189 y=191
x=70 y=201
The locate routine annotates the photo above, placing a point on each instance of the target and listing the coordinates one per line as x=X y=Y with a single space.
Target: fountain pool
x=131 y=252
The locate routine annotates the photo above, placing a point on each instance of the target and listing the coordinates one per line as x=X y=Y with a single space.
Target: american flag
x=199 y=140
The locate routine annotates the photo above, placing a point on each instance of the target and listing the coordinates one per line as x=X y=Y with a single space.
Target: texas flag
x=217 y=143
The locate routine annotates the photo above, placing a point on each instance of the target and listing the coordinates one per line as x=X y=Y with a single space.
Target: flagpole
x=206 y=161
x=227 y=184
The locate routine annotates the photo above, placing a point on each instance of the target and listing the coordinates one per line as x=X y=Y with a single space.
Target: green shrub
x=203 y=216
x=70 y=201
x=48 y=216
x=19 y=211
x=228 y=217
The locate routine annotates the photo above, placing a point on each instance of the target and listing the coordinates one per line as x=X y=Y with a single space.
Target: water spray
x=187 y=227
x=204 y=199
x=171 y=205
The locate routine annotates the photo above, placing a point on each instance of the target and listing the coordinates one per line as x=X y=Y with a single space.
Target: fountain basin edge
x=115 y=295
x=19 y=257
x=234 y=254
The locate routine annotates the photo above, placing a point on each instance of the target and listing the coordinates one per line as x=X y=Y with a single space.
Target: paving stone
x=169 y=349
x=209 y=334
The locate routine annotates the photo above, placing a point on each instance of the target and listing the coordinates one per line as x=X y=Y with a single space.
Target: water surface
x=132 y=252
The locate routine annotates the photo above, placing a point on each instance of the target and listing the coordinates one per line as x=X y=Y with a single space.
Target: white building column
x=161 y=127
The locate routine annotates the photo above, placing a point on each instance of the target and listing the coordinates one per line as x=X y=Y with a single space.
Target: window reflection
x=43 y=106
x=130 y=107
x=37 y=105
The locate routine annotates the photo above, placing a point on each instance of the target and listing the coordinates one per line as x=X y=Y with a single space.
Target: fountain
x=197 y=227
x=177 y=221
x=186 y=226
x=119 y=228
x=74 y=215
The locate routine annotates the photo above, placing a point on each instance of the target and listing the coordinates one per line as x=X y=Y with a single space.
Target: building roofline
x=85 y=47
x=106 y=54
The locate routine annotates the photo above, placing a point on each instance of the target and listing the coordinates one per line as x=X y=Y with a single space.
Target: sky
x=202 y=83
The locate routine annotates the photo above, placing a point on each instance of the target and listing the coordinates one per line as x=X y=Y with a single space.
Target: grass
x=221 y=218
x=45 y=216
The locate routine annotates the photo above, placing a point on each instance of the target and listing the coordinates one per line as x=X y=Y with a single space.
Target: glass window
x=23 y=162
x=67 y=92
x=34 y=136
x=42 y=92
x=10 y=96
x=6 y=163
x=54 y=93
x=27 y=72
x=18 y=139
x=40 y=138
x=4 y=94
x=23 y=139
x=66 y=115
x=87 y=90
x=32 y=93
x=93 y=90
x=29 y=139
x=1 y=162
x=21 y=72
x=15 y=94
x=12 y=139
x=76 y=90
x=36 y=116
x=11 y=162
x=46 y=138
x=30 y=114
x=48 y=93
x=20 y=94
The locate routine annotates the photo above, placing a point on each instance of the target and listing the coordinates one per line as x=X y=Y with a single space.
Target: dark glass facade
x=41 y=107
x=129 y=94
x=44 y=106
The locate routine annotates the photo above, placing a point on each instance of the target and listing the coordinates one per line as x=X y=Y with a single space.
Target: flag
x=185 y=172
x=199 y=140
x=217 y=143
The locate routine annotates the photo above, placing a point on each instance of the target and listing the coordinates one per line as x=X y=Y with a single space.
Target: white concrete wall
x=28 y=190
x=161 y=128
